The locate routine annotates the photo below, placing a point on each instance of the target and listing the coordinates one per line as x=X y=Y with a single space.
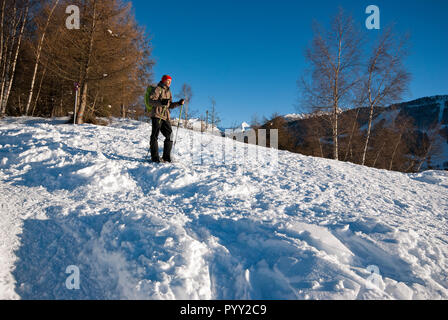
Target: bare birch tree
x=334 y=58
x=386 y=79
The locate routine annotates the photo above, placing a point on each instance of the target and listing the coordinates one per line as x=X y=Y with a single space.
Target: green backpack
x=148 y=93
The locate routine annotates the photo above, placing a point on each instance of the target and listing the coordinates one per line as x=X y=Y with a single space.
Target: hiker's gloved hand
x=182 y=101
x=165 y=101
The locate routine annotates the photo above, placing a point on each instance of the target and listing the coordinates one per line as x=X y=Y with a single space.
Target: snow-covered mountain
x=245 y=126
x=241 y=128
x=202 y=228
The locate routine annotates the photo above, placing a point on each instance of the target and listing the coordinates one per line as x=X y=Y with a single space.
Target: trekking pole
x=149 y=149
x=178 y=123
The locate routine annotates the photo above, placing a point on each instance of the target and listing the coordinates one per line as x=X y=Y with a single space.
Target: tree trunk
x=1 y=29
x=319 y=143
x=419 y=167
x=39 y=50
x=371 y=105
x=82 y=102
x=351 y=135
x=92 y=109
x=22 y=29
x=38 y=91
x=395 y=151
x=320 y=147
x=378 y=154
x=336 y=98
x=335 y=134
x=20 y=103
x=369 y=129
x=85 y=72
x=3 y=61
x=55 y=109
x=410 y=166
x=6 y=62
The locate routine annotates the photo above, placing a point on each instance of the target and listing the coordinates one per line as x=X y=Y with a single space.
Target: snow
x=244 y=126
x=295 y=116
x=310 y=228
x=238 y=129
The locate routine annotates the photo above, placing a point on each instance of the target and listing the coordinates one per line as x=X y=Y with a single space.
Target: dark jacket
x=159 y=110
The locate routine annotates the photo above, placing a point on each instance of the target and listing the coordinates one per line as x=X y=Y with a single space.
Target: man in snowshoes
x=161 y=100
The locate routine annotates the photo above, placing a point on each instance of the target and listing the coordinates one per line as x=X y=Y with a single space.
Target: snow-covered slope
x=309 y=229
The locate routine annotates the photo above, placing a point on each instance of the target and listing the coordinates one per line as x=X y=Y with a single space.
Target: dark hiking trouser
x=163 y=126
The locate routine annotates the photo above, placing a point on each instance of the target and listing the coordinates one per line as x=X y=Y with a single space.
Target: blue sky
x=248 y=54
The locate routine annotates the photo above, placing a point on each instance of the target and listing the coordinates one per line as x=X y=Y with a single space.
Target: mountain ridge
x=427 y=115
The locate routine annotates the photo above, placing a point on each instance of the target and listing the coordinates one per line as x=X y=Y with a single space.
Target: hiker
x=161 y=99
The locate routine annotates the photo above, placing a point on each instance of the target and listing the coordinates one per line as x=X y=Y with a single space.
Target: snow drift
x=313 y=229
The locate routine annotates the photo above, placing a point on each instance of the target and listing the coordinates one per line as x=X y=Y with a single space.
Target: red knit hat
x=166 y=77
